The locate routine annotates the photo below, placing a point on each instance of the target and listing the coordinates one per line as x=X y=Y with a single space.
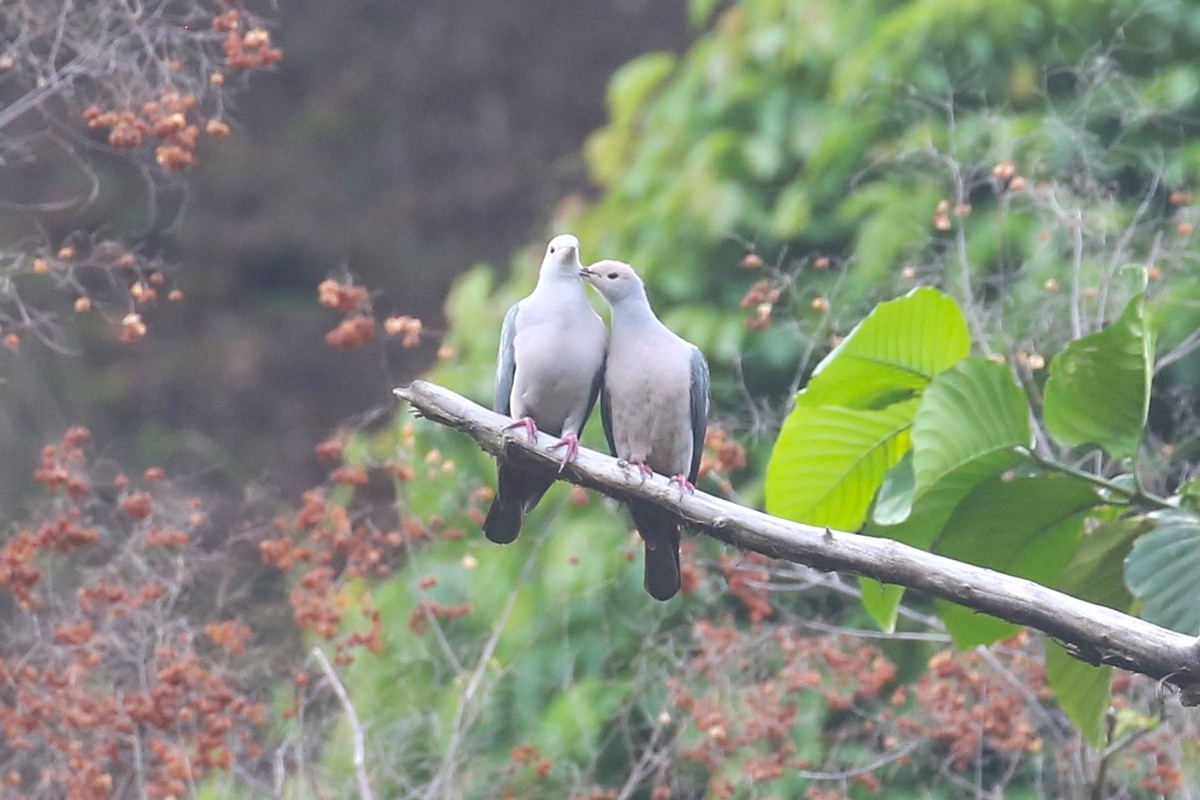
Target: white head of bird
x=562 y=257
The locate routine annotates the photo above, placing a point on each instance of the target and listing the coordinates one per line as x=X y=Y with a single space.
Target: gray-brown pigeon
x=654 y=405
x=548 y=373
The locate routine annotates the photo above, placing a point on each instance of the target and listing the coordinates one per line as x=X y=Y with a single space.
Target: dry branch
x=1092 y=633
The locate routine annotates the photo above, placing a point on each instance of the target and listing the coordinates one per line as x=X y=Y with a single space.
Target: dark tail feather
x=503 y=521
x=517 y=492
x=660 y=531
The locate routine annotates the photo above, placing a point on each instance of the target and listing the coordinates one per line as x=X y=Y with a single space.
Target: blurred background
x=398 y=142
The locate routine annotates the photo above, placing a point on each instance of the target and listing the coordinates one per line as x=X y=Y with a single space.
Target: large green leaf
x=1098 y=391
x=1029 y=527
x=969 y=428
x=851 y=421
x=1084 y=692
x=925 y=520
x=968 y=412
x=892 y=354
x=1161 y=571
x=829 y=462
x=972 y=420
x=1096 y=575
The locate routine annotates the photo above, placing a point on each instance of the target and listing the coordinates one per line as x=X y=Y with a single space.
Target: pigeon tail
x=659 y=529
x=503 y=521
x=516 y=494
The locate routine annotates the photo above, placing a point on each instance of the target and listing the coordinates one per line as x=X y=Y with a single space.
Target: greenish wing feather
x=699 y=409
x=506 y=363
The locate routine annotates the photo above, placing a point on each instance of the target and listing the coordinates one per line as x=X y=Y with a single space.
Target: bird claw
x=528 y=424
x=685 y=486
x=571 y=443
x=643 y=470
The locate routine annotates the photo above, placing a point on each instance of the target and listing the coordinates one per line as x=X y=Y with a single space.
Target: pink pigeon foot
x=528 y=424
x=643 y=469
x=571 y=443
x=685 y=486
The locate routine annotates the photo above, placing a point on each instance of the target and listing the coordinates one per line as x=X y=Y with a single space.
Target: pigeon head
x=562 y=255
x=615 y=280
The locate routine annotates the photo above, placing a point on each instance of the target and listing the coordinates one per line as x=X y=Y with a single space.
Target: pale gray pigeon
x=548 y=373
x=654 y=406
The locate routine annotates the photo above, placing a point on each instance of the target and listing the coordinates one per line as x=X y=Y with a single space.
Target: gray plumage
x=654 y=405
x=549 y=369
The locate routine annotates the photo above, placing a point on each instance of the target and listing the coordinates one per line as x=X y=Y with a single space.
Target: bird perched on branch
x=654 y=405
x=548 y=373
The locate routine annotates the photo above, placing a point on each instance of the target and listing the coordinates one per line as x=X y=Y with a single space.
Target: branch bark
x=1092 y=633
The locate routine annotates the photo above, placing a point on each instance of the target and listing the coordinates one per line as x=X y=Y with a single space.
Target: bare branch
x=843 y=774
x=1091 y=633
x=360 y=746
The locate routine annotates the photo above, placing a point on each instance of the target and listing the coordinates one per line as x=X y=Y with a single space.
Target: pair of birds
x=653 y=389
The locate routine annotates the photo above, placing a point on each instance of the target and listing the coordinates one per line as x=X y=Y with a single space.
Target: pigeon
x=654 y=406
x=549 y=370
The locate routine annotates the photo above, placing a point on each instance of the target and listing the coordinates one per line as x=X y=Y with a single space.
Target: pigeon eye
x=612 y=276
x=551 y=251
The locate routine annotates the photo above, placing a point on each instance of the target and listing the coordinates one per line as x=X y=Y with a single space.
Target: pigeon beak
x=585 y=273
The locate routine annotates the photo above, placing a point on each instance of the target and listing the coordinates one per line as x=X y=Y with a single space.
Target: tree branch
x=1091 y=633
x=359 y=740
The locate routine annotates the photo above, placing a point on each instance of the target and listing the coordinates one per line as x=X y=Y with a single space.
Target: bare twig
x=650 y=759
x=853 y=772
x=1179 y=352
x=1075 y=223
x=359 y=759
x=1091 y=633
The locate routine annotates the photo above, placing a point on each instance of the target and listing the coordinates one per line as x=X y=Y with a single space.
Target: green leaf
x=927 y=518
x=881 y=601
x=969 y=628
x=1084 y=692
x=1096 y=575
x=1188 y=496
x=892 y=354
x=934 y=507
x=828 y=462
x=1161 y=571
x=1028 y=527
x=851 y=422
x=968 y=413
x=972 y=418
x=894 y=502
x=1098 y=391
